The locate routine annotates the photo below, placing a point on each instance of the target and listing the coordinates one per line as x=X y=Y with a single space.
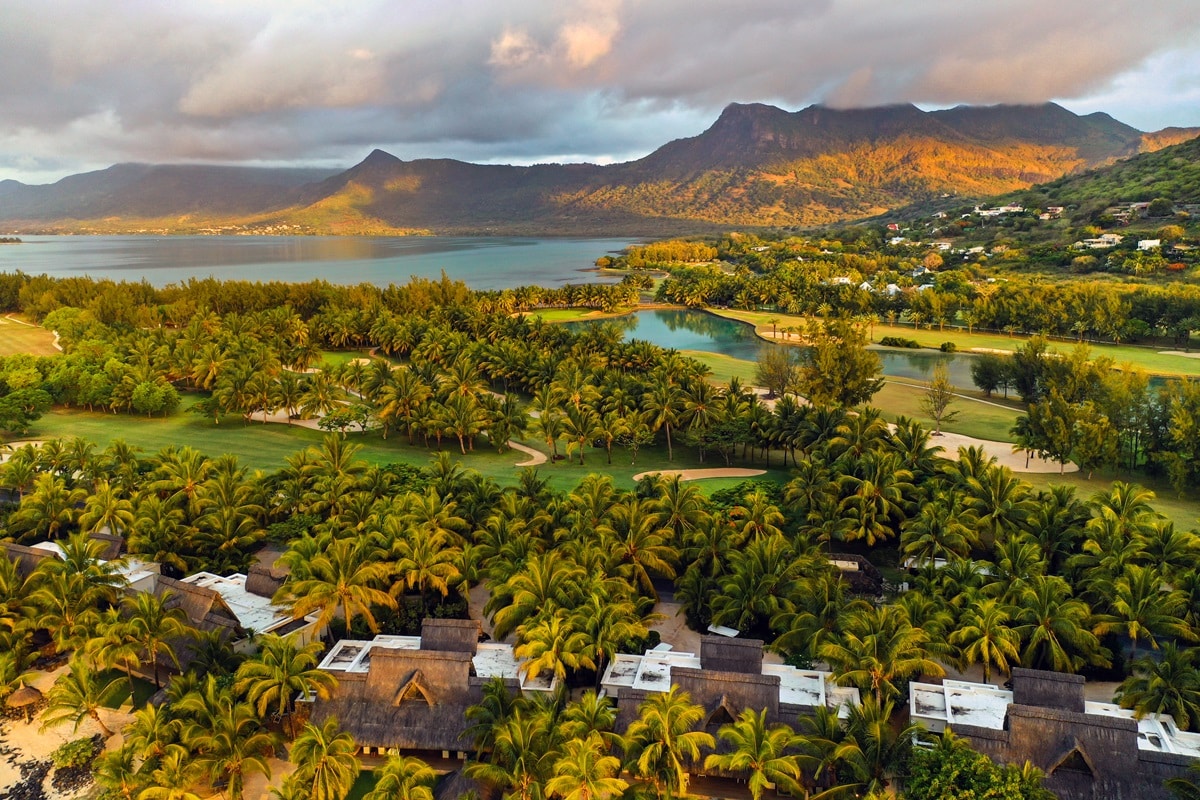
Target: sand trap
x=1002 y=451
x=1178 y=353
x=701 y=474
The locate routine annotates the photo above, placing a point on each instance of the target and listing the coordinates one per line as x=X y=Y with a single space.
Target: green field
x=1148 y=358
x=975 y=418
x=724 y=367
x=575 y=314
x=16 y=338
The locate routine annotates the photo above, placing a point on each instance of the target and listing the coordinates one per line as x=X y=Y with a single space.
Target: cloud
x=91 y=82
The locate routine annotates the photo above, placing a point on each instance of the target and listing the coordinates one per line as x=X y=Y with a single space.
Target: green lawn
x=256 y=445
x=724 y=367
x=364 y=783
x=16 y=338
x=978 y=419
x=1148 y=358
x=575 y=314
x=336 y=358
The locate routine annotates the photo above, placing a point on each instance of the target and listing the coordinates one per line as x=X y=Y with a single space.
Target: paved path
x=535 y=456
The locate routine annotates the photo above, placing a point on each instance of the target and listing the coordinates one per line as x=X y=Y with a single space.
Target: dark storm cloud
x=284 y=80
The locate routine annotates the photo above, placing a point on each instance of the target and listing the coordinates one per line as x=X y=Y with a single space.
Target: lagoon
x=483 y=262
x=683 y=329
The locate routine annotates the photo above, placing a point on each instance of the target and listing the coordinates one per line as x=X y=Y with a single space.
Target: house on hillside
x=1149 y=244
x=1088 y=751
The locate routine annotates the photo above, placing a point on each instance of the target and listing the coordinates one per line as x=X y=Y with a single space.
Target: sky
x=88 y=83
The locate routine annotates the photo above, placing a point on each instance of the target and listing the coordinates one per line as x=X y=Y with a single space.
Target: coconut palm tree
x=1139 y=607
x=403 y=778
x=638 y=542
x=551 y=644
x=984 y=636
x=1054 y=628
x=325 y=760
x=279 y=672
x=79 y=694
x=585 y=771
x=48 y=511
x=106 y=509
x=344 y=578
x=662 y=740
x=1166 y=685
x=522 y=757
x=117 y=772
x=174 y=777
x=154 y=627
x=759 y=752
x=878 y=648
x=224 y=736
x=873 y=748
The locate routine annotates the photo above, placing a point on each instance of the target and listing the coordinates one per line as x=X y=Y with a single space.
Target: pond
x=685 y=329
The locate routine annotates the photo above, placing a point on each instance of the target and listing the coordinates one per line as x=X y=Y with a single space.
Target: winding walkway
x=701 y=474
x=535 y=456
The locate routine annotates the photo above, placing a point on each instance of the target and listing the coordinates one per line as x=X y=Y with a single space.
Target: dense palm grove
x=1042 y=579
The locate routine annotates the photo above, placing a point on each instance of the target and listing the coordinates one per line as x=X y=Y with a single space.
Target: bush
x=948 y=347
x=78 y=753
x=900 y=341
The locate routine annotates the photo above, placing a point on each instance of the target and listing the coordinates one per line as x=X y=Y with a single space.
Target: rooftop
x=491 y=659
x=253 y=611
x=652 y=672
x=985 y=706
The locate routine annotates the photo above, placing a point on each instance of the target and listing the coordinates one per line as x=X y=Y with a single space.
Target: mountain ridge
x=756 y=165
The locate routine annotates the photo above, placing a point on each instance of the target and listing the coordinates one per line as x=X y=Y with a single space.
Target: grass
x=724 y=367
x=17 y=338
x=575 y=314
x=336 y=358
x=1147 y=358
x=364 y=783
x=977 y=419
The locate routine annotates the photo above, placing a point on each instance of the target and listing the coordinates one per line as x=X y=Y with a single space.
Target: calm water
x=697 y=330
x=484 y=262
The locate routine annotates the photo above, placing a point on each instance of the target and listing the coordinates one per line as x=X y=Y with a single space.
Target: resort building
x=1089 y=751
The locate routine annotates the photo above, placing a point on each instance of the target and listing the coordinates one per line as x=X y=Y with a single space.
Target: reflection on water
x=697 y=330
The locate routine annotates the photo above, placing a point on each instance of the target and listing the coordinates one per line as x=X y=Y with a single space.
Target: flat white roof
x=651 y=672
x=985 y=706
x=491 y=660
x=253 y=611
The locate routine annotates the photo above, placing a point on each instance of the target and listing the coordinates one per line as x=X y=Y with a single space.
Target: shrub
x=948 y=347
x=77 y=753
x=900 y=341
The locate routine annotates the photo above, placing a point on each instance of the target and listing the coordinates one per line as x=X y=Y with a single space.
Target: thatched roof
x=205 y=608
x=24 y=696
x=26 y=558
x=723 y=654
x=265 y=581
x=451 y=635
x=114 y=545
x=410 y=700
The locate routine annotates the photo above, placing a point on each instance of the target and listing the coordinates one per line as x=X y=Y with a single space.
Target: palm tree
x=48 y=511
x=117 y=772
x=1167 y=685
x=552 y=644
x=152 y=732
x=1054 y=628
x=175 y=775
x=280 y=671
x=325 y=760
x=153 y=627
x=662 y=739
x=635 y=537
x=343 y=578
x=545 y=584
x=874 y=748
x=606 y=623
x=225 y=736
x=105 y=508
x=663 y=401
x=985 y=636
x=403 y=778
x=522 y=757
x=79 y=694
x=1141 y=609
x=759 y=752
x=879 y=648
x=585 y=771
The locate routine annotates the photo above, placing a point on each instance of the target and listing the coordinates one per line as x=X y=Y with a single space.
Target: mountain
x=757 y=165
x=1172 y=172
